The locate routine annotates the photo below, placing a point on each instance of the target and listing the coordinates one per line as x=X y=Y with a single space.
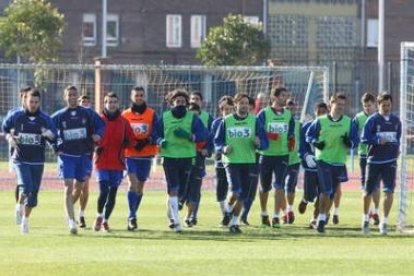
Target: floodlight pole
x=381 y=58
x=104 y=16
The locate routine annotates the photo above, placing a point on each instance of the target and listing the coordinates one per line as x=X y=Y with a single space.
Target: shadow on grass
x=250 y=234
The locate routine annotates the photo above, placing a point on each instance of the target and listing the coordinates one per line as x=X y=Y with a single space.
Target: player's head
x=384 y=102
x=178 y=97
x=337 y=104
x=291 y=105
x=195 y=108
x=226 y=105
x=32 y=100
x=197 y=98
x=321 y=109
x=368 y=103
x=23 y=93
x=241 y=101
x=111 y=102
x=278 y=96
x=84 y=101
x=70 y=95
x=138 y=95
x=261 y=101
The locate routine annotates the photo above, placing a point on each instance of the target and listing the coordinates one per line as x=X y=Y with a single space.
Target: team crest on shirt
x=83 y=121
x=32 y=118
x=73 y=113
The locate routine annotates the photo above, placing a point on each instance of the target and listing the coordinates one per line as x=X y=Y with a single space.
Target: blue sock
x=139 y=198
x=132 y=203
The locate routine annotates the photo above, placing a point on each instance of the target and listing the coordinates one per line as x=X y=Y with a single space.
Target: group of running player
x=251 y=143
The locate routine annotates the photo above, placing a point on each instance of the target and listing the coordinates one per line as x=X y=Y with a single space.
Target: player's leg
x=221 y=193
x=193 y=193
x=389 y=173
x=265 y=176
x=235 y=177
x=373 y=173
x=325 y=177
x=102 y=176
x=24 y=176
x=290 y=188
x=19 y=208
x=36 y=173
x=83 y=202
x=115 y=179
x=201 y=163
x=280 y=170
x=132 y=194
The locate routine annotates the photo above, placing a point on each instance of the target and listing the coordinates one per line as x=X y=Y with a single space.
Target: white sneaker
x=383 y=228
x=72 y=227
x=18 y=214
x=24 y=226
x=178 y=228
x=365 y=227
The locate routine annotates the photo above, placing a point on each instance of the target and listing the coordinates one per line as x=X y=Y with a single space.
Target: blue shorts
x=88 y=165
x=113 y=177
x=242 y=178
x=72 y=167
x=330 y=176
x=376 y=172
x=29 y=177
x=291 y=179
x=140 y=167
x=269 y=165
x=177 y=172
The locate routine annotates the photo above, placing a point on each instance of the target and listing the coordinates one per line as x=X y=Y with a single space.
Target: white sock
x=336 y=211
x=19 y=207
x=276 y=215
x=376 y=211
x=234 y=220
x=365 y=217
x=322 y=216
x=81 y=213
x=173 y=204
x=222 y=206
x=25 y=220
x=290 y=208
x=229 y=208
x=100 y=215
x=384 y=220
x=264 y=214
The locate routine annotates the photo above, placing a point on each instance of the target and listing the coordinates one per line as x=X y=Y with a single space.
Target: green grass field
x=203 y=250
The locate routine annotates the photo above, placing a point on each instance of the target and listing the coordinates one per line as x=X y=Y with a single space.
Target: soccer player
x=199 y=169
x=226 y=107
x=307 y=155
x=178 y=132
x=18 y=209
x=291 y=179
x=109 y=158
x=382 y=134
x=279 y=126
x=369 y=108
x=331 y=135
x=237 y=138
x=143 y=121
x=260 y=102
x=27 y=131
x=85 y=102
x=77 y=128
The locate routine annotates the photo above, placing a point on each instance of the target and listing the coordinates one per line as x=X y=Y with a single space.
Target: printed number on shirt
x=140 y=128
x=390 y=136
x=74 y=134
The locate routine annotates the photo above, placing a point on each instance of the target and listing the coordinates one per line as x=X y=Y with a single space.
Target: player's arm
x=158 y=131
x=369 y=134
x=220 y=137
x=50 y=133
x=353 y=135
x=261 y=134
x=200 y=133
x=98 y=124
x=291 y=128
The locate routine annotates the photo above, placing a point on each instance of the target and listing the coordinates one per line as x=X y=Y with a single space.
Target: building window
x=198 y=30
x=254 y=20
x=372 y=33
x=89 y=29
x=112 y=30
x=174 y=31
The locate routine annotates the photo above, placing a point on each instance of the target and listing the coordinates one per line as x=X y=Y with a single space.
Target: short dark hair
x=336 y=97
x=276 y=91
x=367 y=97
x=194 y=107
x=384 y=97
x=197 y=93
x=33 y=93
x=321 y=105
x=110 y=95
x=177 y=93
x=25 y=89
x=71 y=87
x=252 y=101
x=84 y=97
x=138 y=88
x=225 y=100
x=239 y=96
